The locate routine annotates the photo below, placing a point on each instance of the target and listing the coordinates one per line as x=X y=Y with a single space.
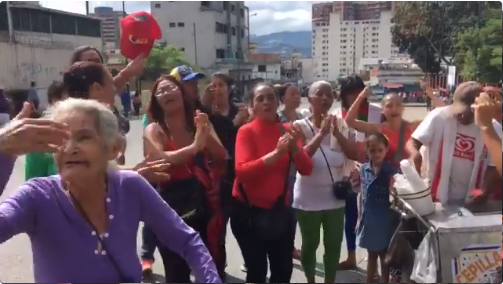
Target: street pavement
x=16 y=256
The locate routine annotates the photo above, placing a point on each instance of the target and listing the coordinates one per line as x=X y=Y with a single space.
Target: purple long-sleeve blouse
x=65 y=247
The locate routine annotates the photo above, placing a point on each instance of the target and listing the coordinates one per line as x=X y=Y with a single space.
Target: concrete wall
x=39 y=58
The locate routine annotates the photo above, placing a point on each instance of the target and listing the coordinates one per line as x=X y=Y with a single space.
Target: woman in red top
x=190 y=190
x=394 y=127
x=261 y=219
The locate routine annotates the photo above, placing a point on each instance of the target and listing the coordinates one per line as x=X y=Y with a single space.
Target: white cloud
x=269 y=16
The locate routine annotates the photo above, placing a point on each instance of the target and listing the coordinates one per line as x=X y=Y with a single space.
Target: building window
x=225 y=5
x=157 y=5
x=242 y=12
x=182 y=48
x=220 y=53
x=233 y=8
x=205 y=4
x=242 y=33
x=220 y=28
x=172 y=25
x=181 y=25
x=262 y=68
x=233 y=31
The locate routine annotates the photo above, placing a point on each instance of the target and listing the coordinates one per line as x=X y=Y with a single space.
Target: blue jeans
x=351 y=215
x=149 y=243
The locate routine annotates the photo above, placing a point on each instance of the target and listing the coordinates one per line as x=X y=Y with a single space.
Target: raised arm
x=173 y=232
x=248 y=165
x=17 y=213
x=352 y=115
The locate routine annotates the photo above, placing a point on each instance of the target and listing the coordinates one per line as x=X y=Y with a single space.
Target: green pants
x=310 y=223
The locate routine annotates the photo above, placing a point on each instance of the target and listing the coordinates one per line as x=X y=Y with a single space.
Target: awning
x=391 y=85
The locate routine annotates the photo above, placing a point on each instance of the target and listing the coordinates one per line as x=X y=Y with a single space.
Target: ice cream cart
x=461 y=243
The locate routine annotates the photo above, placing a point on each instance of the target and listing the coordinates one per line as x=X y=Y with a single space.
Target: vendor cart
x=461 y=243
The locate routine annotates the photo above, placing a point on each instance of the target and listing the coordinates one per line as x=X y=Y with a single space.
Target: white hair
x=105 y=121
x=318 y=84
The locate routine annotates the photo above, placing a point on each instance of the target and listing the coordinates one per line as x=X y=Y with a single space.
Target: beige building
x=208 y=32
x=110 y=28
x=346 y=31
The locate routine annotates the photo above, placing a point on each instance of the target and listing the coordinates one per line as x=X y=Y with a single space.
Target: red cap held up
x=138 y=34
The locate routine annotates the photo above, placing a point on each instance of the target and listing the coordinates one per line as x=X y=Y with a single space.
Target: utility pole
x=195 y=43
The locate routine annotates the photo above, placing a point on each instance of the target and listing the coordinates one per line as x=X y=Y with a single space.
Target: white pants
x=4 y=119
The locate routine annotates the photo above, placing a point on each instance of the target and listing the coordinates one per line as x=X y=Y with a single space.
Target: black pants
x=257 y=253
x=225 y=202
x=176 y=269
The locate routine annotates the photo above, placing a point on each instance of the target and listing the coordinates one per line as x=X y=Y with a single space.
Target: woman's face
x=220 y=89
x=291 y=99
x=85 y=154
x=321 y=99
x=392 y=107
x=265 y=103
x=90 y=55
x=169 y=96
x=105 y=92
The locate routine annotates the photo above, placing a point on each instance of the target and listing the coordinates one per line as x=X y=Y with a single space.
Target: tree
x=428 y=30
x=479 y=50
x=164 y=58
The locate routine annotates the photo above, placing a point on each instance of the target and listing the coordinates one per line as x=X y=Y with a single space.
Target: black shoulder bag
x=123 y=278
x=341 y=189
x=273 y=223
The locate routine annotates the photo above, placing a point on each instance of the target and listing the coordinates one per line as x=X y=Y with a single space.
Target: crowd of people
x=264 y=168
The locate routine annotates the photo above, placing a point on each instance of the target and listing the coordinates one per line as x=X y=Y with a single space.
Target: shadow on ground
x=157 y=278
x=343 y=276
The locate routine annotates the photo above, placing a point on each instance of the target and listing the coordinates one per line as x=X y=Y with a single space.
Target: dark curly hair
x=349 y=85
x=77 y=53
x=80 y=77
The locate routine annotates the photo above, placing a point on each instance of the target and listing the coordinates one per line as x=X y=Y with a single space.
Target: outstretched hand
x=25 y=135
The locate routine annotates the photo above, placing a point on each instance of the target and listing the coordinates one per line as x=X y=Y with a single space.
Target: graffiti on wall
x=31 y=72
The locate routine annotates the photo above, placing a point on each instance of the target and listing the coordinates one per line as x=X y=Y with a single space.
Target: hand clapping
x=485 y=110
x=203 y=128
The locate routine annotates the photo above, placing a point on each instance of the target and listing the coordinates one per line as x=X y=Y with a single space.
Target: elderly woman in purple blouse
x=83 y=222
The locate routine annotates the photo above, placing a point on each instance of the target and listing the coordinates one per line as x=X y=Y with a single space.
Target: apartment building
x=110 y=29
x=345 y=32
x=210 y=33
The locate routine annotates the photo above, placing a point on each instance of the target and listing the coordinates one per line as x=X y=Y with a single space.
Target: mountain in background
x=284 y=42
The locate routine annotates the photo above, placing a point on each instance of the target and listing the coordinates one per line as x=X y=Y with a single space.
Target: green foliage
x=428 y=30
x=479 y=50
x=163 y=59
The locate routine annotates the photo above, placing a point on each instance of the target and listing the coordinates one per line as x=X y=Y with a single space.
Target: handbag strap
x=100 y=240
x=397 y=157
x=283 y=195
x=322 y=152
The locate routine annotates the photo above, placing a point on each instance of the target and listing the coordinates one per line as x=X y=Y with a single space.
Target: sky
x=266 y=16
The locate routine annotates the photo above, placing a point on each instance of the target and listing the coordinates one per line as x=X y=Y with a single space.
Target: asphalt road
x=16 y=257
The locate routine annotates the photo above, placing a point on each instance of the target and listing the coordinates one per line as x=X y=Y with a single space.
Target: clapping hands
x=203 y=129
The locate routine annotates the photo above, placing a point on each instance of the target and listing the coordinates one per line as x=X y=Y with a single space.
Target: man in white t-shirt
x=465 y=169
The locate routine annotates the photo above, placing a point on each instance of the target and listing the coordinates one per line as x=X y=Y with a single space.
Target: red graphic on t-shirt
x=465 y=147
